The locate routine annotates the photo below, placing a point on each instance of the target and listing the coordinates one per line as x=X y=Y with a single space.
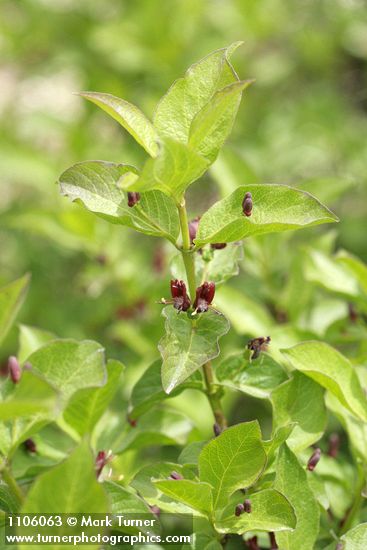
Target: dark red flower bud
x=247 y=204
x=315 y=457
x=258 y=344
x=181 y=300
x=30 y=445
x=239 y=509
x=247 y=506
x=102 y=459
x=175 y=475
x=334 y=444
x=193 y=228
x=273 y=542
x=252 y=543
x=218 y=246
x=133 y=422
x=217 y=429
x=353 y=313
x=15 y=372
x=204 y=297
x=132 y=199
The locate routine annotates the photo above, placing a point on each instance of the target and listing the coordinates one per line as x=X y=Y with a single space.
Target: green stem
x=12 y=484
x=214 y=397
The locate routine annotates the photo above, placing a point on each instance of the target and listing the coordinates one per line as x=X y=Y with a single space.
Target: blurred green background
x=303 y=123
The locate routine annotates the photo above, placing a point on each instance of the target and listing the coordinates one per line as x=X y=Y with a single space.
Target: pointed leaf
x=187 y=345
x=129 y=116
x=270 y=511
x=188 y=95
x=275 y=208
x=98 y=186
x=300 y=400
x=234 y=460
x=291 y=481
x=196 y=495
x=11 y=299
x=333 y=371
x=212 y=125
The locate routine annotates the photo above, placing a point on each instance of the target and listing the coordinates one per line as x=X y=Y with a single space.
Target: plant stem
x=213 y=396
x=12 y=484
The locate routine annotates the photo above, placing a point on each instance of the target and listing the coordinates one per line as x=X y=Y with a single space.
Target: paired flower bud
x=314 y=459
x=193 y=228
x=257 y=345
x=243 y=508
x=247 y=204
x=204 y=297
x=132 y=198
x=15 y=372
x=181 y=300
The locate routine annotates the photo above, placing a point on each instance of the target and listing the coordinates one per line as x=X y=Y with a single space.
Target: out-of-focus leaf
x=291 y=481
x=187 y=344
x=11 y=299
x=333 y=371
x=130 y=117
x=356 y=266
x=233 y=460
x=275 y=208
x=30 y=339
x=300 y=400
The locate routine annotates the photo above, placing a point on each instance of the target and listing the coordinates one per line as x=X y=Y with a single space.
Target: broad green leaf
x=98 y=186
x=158 y=427
x=257 y=378
x=129 y=116
x=87 y=405
x=30 y=339
x=222 y=266
x=247 y=316
x=187 y=344
x=144 y=485
x=196 y=495
x=356 y=266
x=69 y=365
x=333 y=371
x=188 y=95
x=270 y=511
x=212 y=125
x=148 y=390
x=234 y=460
x=172 y=171
x=300 y=400
x=275 y=208
x=356 y=538
x=291 y=481
x=11 y=299
x=71 y=487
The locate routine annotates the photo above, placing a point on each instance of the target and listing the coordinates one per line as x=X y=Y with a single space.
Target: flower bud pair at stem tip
x=181 y=300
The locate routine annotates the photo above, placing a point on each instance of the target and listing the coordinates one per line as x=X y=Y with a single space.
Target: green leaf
x=188 y=95
x=87 y=405
x=187 y=344
x=172 y=171
x=291 y=481
x=190 y=453
x=356 y=266
x=279 y=437
x=275 y=208
x=232 y=461
x=356 y=538
x=270 y=511
x=30 y=339
x=333 y=371
x=69 y=365
x=196 y=495
x=148 y=390
x=129 y=116
x=98 y=186
x=300 y=400
x=11 y=299
x=8 y=502
x=257 y=378
x=71 y=487
x=212 y=125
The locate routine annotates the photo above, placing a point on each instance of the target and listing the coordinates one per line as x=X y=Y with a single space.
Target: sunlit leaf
x=11 y=299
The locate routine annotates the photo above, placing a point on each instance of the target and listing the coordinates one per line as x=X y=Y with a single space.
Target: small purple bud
x=30 y=445
x=247 y=506
x=15 y=372
x=175 y=475
x=193 y=228
x=239 y=509
x=334 y=444
x=218 y=246
x=247 y=204
x=132 y=199
x=315 y=457
x=217 y=429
